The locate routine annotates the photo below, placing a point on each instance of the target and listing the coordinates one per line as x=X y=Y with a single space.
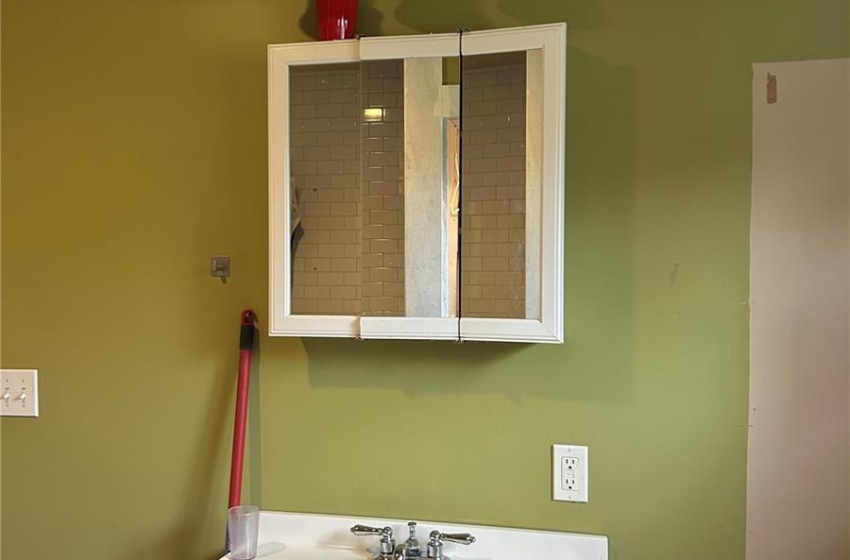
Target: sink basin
x=280 y=551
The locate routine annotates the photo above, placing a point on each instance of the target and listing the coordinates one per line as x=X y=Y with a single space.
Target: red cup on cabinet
x=337 y=19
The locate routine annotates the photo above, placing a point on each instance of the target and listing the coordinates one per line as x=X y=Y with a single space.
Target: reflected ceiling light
x=372 y=114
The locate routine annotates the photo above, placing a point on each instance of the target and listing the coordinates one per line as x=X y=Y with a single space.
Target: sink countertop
x=281 y=551
x=303 y=536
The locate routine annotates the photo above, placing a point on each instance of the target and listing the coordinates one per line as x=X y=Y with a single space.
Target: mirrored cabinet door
x=427 y=101
x=512 y=181
x=407 y=187
x=314 y=195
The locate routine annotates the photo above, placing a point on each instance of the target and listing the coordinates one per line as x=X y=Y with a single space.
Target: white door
x=798 y=480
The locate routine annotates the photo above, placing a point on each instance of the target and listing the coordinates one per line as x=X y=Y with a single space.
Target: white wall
x=798 y=489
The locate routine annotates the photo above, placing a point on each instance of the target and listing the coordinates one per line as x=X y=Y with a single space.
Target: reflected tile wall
x=383 y=187
x=325 y=169
x=493 y=196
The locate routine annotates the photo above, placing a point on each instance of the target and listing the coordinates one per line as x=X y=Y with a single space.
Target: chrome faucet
x=435 y=545
x=386 y=544
x=411 y=549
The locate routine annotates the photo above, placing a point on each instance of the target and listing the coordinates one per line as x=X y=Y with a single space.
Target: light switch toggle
x=20 y=392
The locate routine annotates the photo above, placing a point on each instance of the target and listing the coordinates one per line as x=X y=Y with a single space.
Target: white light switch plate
x=18 y=392
x=569 y=473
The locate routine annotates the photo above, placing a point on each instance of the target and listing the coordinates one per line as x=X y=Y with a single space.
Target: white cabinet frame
x=545 y=243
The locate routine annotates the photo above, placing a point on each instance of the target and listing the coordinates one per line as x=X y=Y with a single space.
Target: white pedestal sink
x=301 y=536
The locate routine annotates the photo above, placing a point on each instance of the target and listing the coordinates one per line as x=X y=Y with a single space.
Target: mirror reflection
x=497 y=181
x=383 y=188
x=325 y=206
x=381 y=177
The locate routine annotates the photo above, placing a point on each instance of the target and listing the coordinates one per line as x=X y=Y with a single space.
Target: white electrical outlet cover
x=19 y=392
x=569 y=473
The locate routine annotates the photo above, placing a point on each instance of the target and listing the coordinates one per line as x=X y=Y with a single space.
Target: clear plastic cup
x=243 y=524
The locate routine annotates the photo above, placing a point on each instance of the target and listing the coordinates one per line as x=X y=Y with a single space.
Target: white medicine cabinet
x=417 y=186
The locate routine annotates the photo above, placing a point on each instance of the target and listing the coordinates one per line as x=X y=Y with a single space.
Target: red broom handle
x=246 y=342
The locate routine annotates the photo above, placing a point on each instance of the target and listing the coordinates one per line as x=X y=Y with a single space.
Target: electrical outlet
x=19 y=392
x=569 y=469
x=569 y=473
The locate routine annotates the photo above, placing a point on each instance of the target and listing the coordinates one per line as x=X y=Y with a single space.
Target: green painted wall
x=134 y=147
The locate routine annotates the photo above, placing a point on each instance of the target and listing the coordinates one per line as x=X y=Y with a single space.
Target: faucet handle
x=361 y=530
x=459 y=538
x=387 y=543
x=435 y=545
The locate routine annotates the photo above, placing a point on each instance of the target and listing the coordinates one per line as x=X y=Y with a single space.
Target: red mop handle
x=246 y=342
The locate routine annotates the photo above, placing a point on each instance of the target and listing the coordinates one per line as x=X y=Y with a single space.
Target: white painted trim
x=325 y=52
x=279 y=295
x=507 y=330
x=429 y=328
x=554 y=149
x=410 y=46
x=281 y=321
x=513 y=39
x=798 y=461
x=333 y=326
